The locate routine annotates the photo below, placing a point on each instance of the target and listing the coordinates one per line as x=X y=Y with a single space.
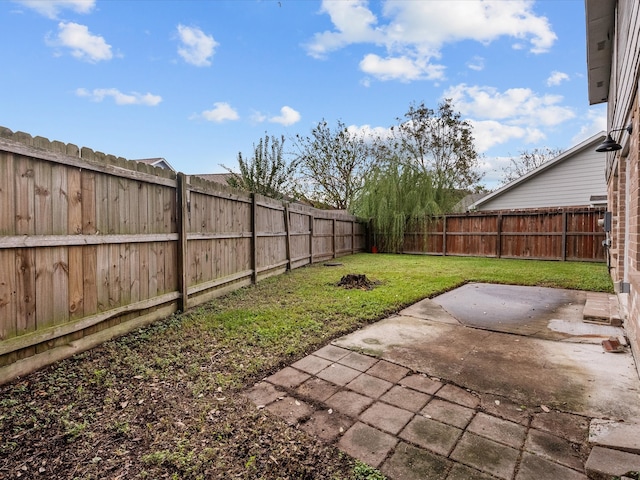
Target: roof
x=156 y=162
x=215 y=177
x=600 y=16
x=589 y=143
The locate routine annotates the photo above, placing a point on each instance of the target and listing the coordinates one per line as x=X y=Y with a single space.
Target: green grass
x=164 y=401
x=286 y=314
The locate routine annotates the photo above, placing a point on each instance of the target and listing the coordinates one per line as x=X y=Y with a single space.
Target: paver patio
x=413 y=425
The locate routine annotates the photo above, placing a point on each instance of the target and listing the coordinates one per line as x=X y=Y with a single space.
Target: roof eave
x=600 y=19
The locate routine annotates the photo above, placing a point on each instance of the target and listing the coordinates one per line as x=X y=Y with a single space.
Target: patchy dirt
x=163 y=402
x=354 y=280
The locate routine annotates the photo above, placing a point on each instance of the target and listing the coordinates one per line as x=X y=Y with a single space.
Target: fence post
x=311 y=222
x=254 y=239
x=333 y=246
x=182 y=264
x=444 y=236
x=499 y=236
x=353 y=236
x=564 y=236
x=288 y=232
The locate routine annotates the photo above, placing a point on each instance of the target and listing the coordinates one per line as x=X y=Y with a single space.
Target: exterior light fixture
x=609 y=144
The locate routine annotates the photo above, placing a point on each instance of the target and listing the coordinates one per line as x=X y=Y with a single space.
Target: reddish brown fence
x=548 y=234
x=93 y=246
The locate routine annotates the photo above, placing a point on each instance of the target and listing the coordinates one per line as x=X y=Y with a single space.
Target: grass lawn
x=164 y=402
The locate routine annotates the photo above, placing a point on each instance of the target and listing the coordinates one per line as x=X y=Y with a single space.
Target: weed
x=362 y=471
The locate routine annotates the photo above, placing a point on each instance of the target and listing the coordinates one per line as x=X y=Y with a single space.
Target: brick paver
x=486 y=456
x=317 y=389
x=358 y=361
x=327 y=426
x=421 y=383
x=288 y=377
x=370 y=386
x=312 y=364
x=447 y=412
x=386 y=417
x=331 y=352
x=499 y=430
x=565 y=425
x=432 y=435
x=349 y=403
x=388 y=371
x=406 y=398
x=553 y=448
x=338 y=374
x=534 y=467
x=412 y=463
x=458 y=395
x=411 y=426
x=368 y=444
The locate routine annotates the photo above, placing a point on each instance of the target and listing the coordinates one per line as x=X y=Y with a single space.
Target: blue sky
x=196 y=82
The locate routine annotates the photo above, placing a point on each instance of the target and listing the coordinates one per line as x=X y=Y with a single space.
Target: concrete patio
x=484 y=382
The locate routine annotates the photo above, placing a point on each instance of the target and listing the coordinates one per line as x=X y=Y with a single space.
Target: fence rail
x=93 y=246
x=545 y=234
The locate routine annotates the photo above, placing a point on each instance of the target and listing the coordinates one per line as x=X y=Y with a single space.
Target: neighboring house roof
x=574 y=178
x=215 y=177
x=600 y=22
x=156 y=162
x=464 y=204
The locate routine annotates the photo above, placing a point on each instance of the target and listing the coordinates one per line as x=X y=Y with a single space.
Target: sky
x=197 y=82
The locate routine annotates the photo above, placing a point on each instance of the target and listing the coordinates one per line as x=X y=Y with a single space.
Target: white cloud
x=476 y=63
x=221 y=112
x=415 y=32
x=51 y=8
x=489 y=133
x=517 y=106
x=556 y=78
x=258 y=117
x=196 y=47
x=400 y=68
x=133 y=98
x=83 y=44
x=288 y=116
x=596 y=121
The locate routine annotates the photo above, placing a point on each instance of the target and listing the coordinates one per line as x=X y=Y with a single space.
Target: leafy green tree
x=266 y=172
x=440 y=143
x=396 y=197
x=332 y=163
x=527 y=161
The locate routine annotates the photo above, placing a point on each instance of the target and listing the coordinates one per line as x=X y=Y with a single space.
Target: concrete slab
x=368 y=444
x=556 y=449
x=534 y=467
x=434 y=436
x=603 y=463
x=412 y=463
x=487 y=456
x=498 y=429
x=386 y=417
x=573 y=377
x=619 y=436
x=449 y=413
x=406 y=398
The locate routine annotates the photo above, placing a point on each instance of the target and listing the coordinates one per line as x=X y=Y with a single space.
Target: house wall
x=623 y=170
x=570 y=183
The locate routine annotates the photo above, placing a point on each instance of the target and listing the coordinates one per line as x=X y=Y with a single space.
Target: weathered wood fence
x=93 y=246
x=544 y=234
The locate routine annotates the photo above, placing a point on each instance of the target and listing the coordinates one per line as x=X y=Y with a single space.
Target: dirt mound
x=354 y=280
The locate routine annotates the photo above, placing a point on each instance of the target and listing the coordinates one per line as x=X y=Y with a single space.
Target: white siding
x=569 y=183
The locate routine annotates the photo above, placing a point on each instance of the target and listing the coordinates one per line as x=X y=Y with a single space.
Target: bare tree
x=332 y=163
x=527 y=161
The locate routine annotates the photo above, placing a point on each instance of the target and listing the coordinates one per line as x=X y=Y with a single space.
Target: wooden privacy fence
x=93 y=246
x=544 y=234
